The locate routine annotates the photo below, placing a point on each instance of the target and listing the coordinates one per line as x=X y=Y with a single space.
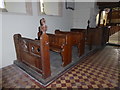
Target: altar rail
x=34 y=53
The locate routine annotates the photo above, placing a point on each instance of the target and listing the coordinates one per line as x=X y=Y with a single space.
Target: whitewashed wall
x=83 y=12
x=27 y=25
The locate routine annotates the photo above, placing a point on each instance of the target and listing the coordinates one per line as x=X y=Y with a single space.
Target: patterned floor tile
x=97 y=71
x=115 y=38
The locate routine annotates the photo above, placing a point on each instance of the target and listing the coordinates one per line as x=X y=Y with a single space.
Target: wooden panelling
x=34 y=53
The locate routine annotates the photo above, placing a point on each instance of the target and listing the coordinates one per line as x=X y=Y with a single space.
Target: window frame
x=28 y=7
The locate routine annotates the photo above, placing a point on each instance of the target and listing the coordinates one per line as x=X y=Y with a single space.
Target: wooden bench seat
x=77 y=38
x=61 y=44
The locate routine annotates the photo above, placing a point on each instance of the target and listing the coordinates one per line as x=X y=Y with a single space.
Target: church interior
x=60 y=44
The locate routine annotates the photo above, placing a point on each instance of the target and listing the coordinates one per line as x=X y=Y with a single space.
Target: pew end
x=33 y=54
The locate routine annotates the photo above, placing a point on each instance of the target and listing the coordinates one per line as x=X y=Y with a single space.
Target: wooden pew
x=84 y=31
x=77 y=38
x=34 y=53
x=98 y=36
x=94 y=36
x=62 y=45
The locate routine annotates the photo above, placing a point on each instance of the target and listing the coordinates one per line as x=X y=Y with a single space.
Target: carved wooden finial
x=43 y=26
x=88 y=24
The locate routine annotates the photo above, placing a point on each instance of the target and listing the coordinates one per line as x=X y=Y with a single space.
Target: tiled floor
x=115 y=38
x=97 y=71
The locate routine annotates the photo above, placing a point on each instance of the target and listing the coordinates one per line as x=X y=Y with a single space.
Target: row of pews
x=62 y=42
x=36 y=53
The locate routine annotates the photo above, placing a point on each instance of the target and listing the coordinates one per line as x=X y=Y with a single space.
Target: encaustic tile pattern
x=97 y=71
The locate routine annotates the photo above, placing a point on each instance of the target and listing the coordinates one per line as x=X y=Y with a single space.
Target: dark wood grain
x=62 y=44
x=94 y=36
x=34 y=53
x=77 y=38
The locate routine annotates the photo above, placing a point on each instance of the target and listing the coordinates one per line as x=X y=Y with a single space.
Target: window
x=23 y=7
x=50 y=8
x=42 y=6
x=2 y=4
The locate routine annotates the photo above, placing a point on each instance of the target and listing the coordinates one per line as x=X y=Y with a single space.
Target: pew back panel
x=61 y=43
x=77 y=38
x=74 y=39
x=93 y=36
x=56 y=41
x=30 y=52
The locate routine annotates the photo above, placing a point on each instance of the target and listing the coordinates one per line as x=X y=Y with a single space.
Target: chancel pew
x=84 y=31
x=58 y=43
x=62 y=45
x=34 y=53
x=93 y=36
x=88 y=36
x=98 y=36
x=77 y=38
